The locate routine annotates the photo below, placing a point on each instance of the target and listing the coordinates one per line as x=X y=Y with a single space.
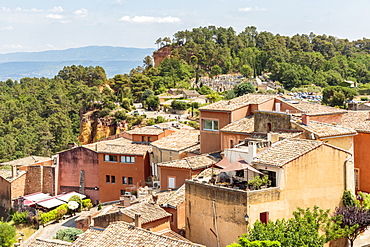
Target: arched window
x=269 y=127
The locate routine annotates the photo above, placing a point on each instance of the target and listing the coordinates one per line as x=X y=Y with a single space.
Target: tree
x=243 y=88
x=246 y=71
x=152 y=102
x=354 y=219
x=216 y=70
x=204 y=90
x=7 y=235
x=307 y=228
x=243 y=242
x=213 y=97
x=337 y=95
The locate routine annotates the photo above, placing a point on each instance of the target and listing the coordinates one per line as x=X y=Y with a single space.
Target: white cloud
x=5 y=9
x=13 y=47
x=55 y=17
x=119 y=2
x=251 y=9
x=9 y=28
x=58 y=9
x=49 y=45
x=81 y=13
x=19 y=9
x=150 y=19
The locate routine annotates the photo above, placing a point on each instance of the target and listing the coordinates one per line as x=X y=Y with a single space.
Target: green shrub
x=99 y=206
x=179 y=105
x=7 y=235
x=69 y=234
x=20 y=218
x=54 y=214
x=87 y=203
x=364 y=98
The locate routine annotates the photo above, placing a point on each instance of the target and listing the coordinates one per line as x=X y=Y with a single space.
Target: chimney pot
x=14 y=171
x=138 y=220
x=305 y=119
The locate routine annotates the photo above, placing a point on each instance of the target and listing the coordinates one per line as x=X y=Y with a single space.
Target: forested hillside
x=294 y=61
x=40 y=116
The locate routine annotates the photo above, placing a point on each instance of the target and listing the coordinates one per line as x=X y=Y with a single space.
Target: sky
x=40 y=25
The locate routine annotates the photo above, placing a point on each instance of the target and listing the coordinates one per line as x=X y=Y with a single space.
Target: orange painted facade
x=362 y=158
x=154 y=226
x=150 y=138
x=229 y=140
x=179 y=174
x=177 y=218
x=123 y=177
x=211 y=140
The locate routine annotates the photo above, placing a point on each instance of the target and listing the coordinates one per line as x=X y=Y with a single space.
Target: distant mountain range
x=115 y=60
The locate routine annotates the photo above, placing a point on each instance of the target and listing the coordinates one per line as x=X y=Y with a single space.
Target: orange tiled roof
x=322 y=130
x=359 y=120
x=236 y=103
x=192 y=162
x=282 y=152
x=244 y=125
x=123 y=234
x=178 y=141
x=149 y=212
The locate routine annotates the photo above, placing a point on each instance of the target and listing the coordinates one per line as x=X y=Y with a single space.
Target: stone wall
x=265 y=122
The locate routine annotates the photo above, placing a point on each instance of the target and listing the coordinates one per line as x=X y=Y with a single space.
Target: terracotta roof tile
x=313 y=108
x=178 y=141
x=119 y=146
x=324 y=130
x=7 y=174
x=282 y=152
x=147 y=130
x=192 y=162
x=176 y=198
x=149 y=212
x=124 y=234
x=48 y=243
x=236 y=103
x=359 y=120
x=244 y=125
x=26 y=161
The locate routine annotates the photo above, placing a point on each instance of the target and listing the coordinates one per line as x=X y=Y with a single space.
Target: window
x=107 y=178
x=211 y=125
x=240 y=173
x=231 y=143
x=124 y=180
x=149 y=139
x=170 y=154
x=143 y=138
x=123 y=192
x=264 y=217
x=269 y=127
x=110 y=158
x=357 y=177
x=113 y=179
x=130 y=180
x=171 y=183
x=272 y=177
x=127 y=159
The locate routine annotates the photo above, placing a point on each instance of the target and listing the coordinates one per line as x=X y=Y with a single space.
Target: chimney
x=138 y=220
x=272 y=137
x=252 y=151
x=14 y=171
x=305 y=119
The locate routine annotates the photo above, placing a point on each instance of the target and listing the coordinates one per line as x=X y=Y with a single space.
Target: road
x=50 y=231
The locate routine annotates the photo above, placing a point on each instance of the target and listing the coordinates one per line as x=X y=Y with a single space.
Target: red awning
x=28 y=203
x=223 y=163
x=240 y=164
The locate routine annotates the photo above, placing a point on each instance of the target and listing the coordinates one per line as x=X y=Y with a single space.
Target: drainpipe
x=216 y=226
x=345 y=171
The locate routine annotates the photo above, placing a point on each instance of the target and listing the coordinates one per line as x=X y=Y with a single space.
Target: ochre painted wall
x=316 y=178
x=139 y=171
x=163 y=155
x=226 y=138
x=177 y=218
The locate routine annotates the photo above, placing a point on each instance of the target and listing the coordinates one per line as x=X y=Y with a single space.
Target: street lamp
x=246 y=218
